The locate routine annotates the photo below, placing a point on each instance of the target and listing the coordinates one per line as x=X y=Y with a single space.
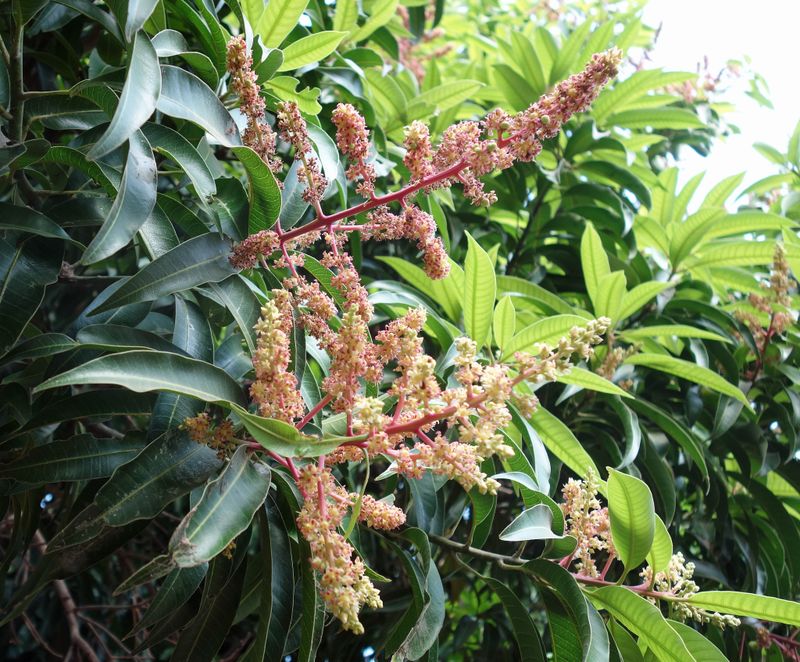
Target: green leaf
x=701 y=648
x=657 y=118
x=242 y=303
x=532 y=524
x=620 y=176
x=742 y=253
x=169 y=467
x=525 y=632
x=512 y=284
x=310 y=49
x=26 y=270
x=447 y=95
x=135 y=199
x=504 y=321
x=594 y=261
x=138 y=11
x=346 y=15
x=660 y=553
x=591 y=380
x=172 y=144
x=225 y=509
x=263 y=191
x=632 y=514
x=137 y=101
x=562 y=443
x=142 y=371
x=81 y=457
x=285 y=87
x=424 y=633
x=117 y=336
x=447 y=292
x=763 y=607
x=480 y=289
x=546 y=331
x=312 y=618
x=610 y=293
x=689 y=371
x=24 y=219
x=677 y=330
x=639 y=296
x=39 y=346
x=644 y=620
x=284 y=438
x=382 y=12
x=185 y=96
x=197 y=261
x=275 y=22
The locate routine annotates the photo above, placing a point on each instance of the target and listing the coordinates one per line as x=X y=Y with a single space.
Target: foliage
x=299 y=359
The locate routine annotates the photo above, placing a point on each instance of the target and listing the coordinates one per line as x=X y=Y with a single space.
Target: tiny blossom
x=677 y=581
x=218 y=436
x=293 y=129
x=274 y=389
x=258 y=134
x=380 y=514
x=248 y=252
x=587 y=521
x=417 y=159
x=343 y=584
x=352 y=138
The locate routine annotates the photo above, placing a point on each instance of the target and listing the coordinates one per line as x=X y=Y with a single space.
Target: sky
x=767 y=32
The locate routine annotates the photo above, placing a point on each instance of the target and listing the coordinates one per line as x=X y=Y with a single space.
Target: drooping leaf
x=479 y=292
x=264 y=194
x=764 y=607
x=532 y=524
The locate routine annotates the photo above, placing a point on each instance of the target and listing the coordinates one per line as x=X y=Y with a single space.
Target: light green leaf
x=137 y=101
x=263 y=191
x=594 y=261
x=678 y=330
x=657 y=118
x=310 y=49
x=135 y=200
x=636 y=298
x=591 y=380
x=142 y=370
x=532 y=524
x=562 y=443
x=717 y=196
x=446 y=292
x=689 y=371
x=632 y=513
x=285 y=87
x=225 y=509
x=447 y=95
x=480 y=289
x=504 y=321
x=644 y=620
x=764 y=607
x=610 y=292
x=660 y=553
x=734 y=254
x=283 y=438
x=277 y=20
x=345 y=15
x=382 y=13
x=701 y=648
x=197 y=261
x=546 y=331
x=185 y=96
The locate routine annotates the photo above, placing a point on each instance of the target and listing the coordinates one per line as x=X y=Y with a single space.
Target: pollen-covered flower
x=259 y=245
x=203 y=430
x=419 y=153
x=258 y=135
x=380 y=514
x=587 y=521
x=352 y=138
x=274 y=389
x=293 y=129
x=455 y=460
x=343 y=584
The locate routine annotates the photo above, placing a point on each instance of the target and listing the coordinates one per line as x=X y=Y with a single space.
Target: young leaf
x=689 y=371
x=562 y=443
x=532 y=524
x=277 y=20
x=547 y=331
x=504 y=321
x=591 y=380
x=594 y=261
x=310 y=49
x=661 y=552
x=632 y=514
x=610 y=293
x=763 y=607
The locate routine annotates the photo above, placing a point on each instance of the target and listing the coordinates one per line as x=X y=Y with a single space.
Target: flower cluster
x=352 y=138
x=258 y=135
x=203 y=430
x=293 y=129
x=677 y=581
x=274 y=389
x=588 y=522
x=776 y=303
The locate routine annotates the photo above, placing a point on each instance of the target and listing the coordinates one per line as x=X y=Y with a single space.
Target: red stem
x=313 y=412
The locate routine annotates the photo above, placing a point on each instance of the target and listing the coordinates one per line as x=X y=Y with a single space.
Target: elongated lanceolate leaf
x=764 y=607
x=199 y=260
x=137 y=101
x=141 y=371
x=479 y=292
x=632 y=514
x=225 y=509
x=264 y=194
